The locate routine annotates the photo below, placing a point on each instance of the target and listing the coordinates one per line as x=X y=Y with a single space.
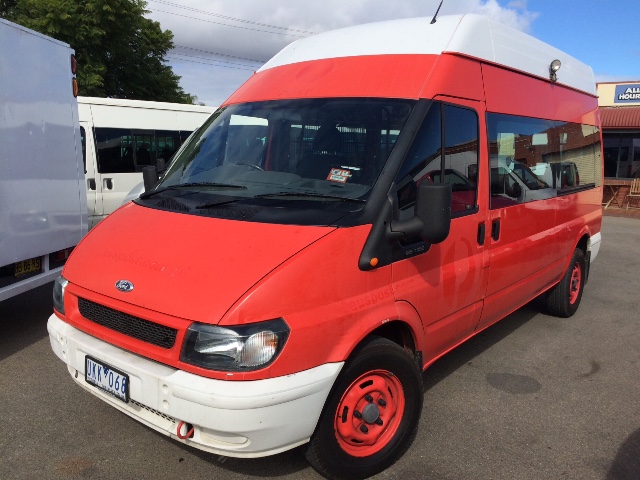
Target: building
x=619 y=104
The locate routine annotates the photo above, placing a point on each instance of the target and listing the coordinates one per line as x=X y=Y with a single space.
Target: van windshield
x=310 y=150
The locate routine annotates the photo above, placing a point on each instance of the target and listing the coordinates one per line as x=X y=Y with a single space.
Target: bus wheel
x=563 y=299
x=371 y=415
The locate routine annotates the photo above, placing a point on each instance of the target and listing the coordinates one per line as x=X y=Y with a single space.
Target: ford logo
x=124 y=285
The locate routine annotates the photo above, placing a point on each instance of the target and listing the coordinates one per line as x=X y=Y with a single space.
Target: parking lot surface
x=533 y=397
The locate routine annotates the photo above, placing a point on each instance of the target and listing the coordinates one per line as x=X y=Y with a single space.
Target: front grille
x=126 y=324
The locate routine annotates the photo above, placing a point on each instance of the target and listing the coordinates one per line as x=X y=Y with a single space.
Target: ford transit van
x=331 y=231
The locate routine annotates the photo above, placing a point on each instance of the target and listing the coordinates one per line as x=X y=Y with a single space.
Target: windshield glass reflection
x=317 y=149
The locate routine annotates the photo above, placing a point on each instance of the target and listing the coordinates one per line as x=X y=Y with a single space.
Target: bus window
x=168 y=143
x=83 y=142
x=145 y=149
x=114 y=150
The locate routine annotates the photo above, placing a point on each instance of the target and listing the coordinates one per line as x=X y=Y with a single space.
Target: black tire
x=563 y=300
x=384 y=382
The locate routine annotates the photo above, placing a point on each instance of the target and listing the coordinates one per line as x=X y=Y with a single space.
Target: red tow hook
x=188 y=427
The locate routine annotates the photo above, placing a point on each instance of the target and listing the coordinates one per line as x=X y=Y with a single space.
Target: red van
x=351 y=213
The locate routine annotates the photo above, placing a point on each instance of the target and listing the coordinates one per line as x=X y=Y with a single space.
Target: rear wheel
x=371 y=415
x=563 y=299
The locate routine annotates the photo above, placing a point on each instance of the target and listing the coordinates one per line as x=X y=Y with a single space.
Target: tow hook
x=187 y=428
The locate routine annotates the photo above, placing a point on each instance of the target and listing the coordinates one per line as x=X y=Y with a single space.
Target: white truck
x=43 y=198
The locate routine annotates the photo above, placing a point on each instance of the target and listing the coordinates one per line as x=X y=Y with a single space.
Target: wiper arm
x=221 y=186
x=216 y=204
x=312 y=195
x=282 y=194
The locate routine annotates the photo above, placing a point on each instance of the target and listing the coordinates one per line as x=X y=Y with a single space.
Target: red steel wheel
x=369 y=413
x=576 y=284
x=372 y=413
x=563 y=299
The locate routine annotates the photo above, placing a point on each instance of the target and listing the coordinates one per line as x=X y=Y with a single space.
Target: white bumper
x=232 y=418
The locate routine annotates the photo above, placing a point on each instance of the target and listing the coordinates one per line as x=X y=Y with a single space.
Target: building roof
x=470 y=35
x=620 y=117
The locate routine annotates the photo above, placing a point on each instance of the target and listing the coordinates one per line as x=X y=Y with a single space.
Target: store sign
x=627 y=93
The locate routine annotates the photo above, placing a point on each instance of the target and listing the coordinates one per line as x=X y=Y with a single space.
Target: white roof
x=470 y=35
x=121 y=102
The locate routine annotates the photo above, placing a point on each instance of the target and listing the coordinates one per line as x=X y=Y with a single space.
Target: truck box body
x=42 y=189
x=359 y=207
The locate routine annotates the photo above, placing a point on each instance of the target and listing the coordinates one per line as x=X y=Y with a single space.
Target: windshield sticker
x=339 y=175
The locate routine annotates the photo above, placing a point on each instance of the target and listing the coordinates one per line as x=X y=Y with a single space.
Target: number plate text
x=107 y=378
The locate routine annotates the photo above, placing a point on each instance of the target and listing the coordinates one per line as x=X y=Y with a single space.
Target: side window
x=461 y=157
x=83 y=143
x=456 y=164
x=535 y=159
x=114 y=150
x=422 y=160
x=183 y=136
x=519 y=149
x=168 y=143
x=144 y=143
x=121 y=150
x=580 y=157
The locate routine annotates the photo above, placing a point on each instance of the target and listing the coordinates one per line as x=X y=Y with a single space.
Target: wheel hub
x=370 y=413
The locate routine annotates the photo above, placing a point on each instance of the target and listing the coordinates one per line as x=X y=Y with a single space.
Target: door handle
x=107 y=183
x=91 y=183
x=481 y=233
x=495 y=230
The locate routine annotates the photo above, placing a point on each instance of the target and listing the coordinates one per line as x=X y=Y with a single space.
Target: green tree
x=120 y=53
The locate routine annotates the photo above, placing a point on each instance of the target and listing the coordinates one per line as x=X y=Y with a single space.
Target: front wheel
x=371 y=415
x=563 y=299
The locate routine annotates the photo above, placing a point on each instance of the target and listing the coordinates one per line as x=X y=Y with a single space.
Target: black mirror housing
x=432 y=219
x=149 y=177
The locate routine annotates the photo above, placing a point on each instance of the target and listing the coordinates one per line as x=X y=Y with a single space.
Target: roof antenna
x=433 y=20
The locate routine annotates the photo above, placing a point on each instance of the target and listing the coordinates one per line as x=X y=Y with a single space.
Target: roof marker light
x=553 y=68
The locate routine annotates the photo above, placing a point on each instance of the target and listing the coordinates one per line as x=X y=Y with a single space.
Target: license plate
x=28 y=266
x=107 y=378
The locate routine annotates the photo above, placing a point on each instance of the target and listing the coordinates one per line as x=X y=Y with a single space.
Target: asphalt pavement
x=533 y=397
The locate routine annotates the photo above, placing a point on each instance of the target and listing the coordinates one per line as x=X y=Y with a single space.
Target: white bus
x=120 y=137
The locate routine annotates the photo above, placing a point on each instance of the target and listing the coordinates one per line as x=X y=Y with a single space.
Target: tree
x=120 y=53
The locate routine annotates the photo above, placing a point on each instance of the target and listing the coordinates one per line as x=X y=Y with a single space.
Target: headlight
x=58 y=293
x=238 y=348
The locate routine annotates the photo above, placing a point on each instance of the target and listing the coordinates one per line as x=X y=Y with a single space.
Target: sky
x=220 y=43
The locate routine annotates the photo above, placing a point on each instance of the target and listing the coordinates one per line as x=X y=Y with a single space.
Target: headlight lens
x=58 y=293
x=238 y=348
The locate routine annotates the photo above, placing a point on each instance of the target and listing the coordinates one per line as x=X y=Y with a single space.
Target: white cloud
x=201 y=26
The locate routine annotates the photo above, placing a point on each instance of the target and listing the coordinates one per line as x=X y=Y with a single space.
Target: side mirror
x=149 y=177
x=432 y=219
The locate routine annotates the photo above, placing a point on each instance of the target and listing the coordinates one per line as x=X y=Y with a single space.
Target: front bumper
x=232 y=418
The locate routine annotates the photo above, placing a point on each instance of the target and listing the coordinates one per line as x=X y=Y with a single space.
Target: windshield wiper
x=221 y=186
x=218 y=204
x=312 y=195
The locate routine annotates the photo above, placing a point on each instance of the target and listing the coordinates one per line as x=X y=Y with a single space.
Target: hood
x=186 y=266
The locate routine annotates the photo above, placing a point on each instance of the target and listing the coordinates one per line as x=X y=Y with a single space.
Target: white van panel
x=106 y=191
